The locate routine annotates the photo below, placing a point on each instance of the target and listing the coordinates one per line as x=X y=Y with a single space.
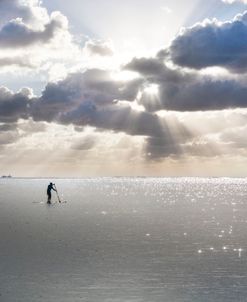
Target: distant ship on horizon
x=6 y=176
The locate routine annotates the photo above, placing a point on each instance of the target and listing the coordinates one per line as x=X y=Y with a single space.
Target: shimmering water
x=124 y=240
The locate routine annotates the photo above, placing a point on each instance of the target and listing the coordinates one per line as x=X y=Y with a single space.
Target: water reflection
x=121 y=239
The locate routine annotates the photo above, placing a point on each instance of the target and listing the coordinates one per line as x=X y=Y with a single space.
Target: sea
x=124 y=240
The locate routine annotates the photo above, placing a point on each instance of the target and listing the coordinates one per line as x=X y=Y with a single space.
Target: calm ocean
x=124 y=240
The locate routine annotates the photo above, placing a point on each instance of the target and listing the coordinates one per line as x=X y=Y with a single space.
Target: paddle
x=57 y=194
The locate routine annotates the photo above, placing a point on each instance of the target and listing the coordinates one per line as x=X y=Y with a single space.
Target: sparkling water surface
x=124 y=240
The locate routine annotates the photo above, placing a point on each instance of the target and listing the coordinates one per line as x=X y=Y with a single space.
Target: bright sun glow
x=152 y=89
x=124 y=76
x=123 y=88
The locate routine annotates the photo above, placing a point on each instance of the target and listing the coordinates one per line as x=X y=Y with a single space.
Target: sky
x=123 y=88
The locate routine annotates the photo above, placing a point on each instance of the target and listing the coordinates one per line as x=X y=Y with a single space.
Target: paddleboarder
x=49 y=188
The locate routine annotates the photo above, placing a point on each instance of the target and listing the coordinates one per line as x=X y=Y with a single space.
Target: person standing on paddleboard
x=49 y=188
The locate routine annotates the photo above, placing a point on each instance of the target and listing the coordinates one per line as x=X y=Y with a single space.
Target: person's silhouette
x=49 y=188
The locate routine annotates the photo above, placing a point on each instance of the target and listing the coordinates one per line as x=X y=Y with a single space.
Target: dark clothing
x=49 y=188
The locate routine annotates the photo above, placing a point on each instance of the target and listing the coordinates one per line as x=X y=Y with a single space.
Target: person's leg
x=49 y=198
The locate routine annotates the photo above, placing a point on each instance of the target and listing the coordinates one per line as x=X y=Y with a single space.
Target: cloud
x=84 y=144
x=17 y=34
x=146 y=66
x=25 y=26
x=160 y=140
x=166 y=9
x=212 y=43
x=186 y=91
x=13 y=106
x=234 y=1
x=68 y=102
x=117 y=118
x=8 y=137
x=93 y=98
x=20 y=61
x=7 y=127
x=29 y=11
x=158 y=148
x=235 y=137
x=11 y=9
x=85 y=91
x=100 y=48
x=11 y=131
x=29 y=126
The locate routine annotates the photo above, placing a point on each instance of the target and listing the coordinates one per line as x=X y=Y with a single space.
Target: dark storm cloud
x=201 y=93
x=160 y=142
x=98 y=48
x=146 y=66
x=91 y=98
x=82 y=93
x=17 y=34
x=81 y=99
x=114 y=117
x=183 y=91
x=13 y=106
x=212 y=43
x=94 y=99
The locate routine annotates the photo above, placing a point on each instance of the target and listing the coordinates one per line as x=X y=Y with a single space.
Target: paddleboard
x=52 y=203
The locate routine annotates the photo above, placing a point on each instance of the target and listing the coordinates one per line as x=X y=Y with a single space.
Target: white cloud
x=166 y=9
x=98 y=47
x=233 y=1
x=31 y=38
x=57 y=72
